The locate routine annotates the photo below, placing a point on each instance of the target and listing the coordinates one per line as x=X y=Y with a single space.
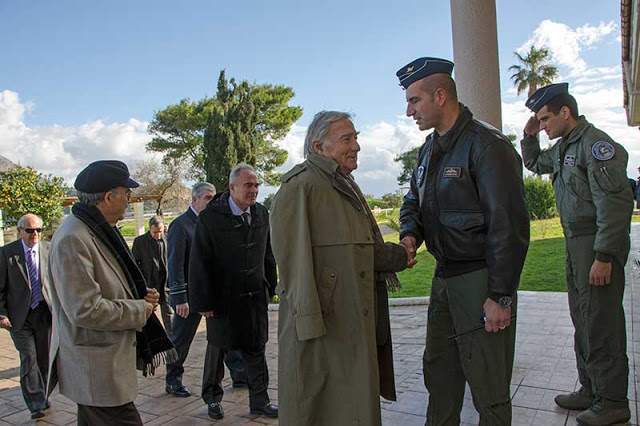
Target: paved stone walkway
x=544 y=367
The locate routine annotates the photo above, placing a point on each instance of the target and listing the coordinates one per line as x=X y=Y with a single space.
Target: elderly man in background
x=103 y=322
x=334 y=342
x=150 y=252
x=24 y=310
x=232 y=272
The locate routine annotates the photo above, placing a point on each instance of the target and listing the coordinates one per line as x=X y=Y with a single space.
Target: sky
x=80 y=81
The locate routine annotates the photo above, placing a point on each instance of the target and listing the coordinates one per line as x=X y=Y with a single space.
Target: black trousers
x=32 y=342
x=184 y=330
x=255 y=369
x=123 y=415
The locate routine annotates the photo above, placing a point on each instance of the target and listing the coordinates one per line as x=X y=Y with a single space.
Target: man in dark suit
x=150 y=252
x=233 y=273
x=24 y=311
x=185 y=321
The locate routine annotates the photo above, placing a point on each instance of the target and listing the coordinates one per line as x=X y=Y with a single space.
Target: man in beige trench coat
x=334 y=267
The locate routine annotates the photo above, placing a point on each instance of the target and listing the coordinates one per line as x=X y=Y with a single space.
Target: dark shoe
x=269 y=410
x=240 y=384
x=178 y=390
x=38 y=414
x=597 y=415
x=215 y=411
x=578 y=400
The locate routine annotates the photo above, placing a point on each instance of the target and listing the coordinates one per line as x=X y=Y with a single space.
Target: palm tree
x=534 y=72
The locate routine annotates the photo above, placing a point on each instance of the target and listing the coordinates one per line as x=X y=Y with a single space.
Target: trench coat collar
x=577 y=131
x=330 y=167
x=449 y=139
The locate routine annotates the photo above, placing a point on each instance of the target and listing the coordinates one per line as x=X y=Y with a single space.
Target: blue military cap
x=543 y=95
x=104 y=175
x=421 y=68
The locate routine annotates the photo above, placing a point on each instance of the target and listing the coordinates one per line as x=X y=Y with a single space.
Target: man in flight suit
x=595 y=205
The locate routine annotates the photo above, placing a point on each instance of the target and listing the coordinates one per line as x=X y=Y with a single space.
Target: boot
x=598 y=415
x=578 y=400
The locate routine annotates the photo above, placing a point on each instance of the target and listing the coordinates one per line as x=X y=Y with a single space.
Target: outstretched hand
x=409 y=244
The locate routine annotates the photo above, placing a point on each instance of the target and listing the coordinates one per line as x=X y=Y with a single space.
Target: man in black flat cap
x=595 y=205
x=103 y=322
x=466 y=202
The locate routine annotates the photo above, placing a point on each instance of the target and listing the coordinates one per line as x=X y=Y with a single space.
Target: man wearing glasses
x=24 y=311
x=103 y=322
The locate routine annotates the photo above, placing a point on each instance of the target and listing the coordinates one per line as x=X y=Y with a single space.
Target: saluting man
x=595 y=205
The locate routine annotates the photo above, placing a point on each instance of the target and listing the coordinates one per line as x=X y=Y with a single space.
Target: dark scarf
x=152 y=344
x=390 y=278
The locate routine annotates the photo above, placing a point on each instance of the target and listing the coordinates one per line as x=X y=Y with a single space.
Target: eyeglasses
x=32 y=230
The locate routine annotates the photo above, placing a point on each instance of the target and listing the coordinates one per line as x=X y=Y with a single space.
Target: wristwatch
x=505 y=301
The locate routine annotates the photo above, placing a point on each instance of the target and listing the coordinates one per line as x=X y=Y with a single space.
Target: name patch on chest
x=570 y=160
x=452 y=172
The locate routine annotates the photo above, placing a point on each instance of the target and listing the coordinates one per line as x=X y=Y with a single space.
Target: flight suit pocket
x=610 y=180
x=580 y=187
x=326 y=288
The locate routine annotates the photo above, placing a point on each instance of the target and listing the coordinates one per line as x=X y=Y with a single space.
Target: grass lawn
x=543 y=269
x=127 y=230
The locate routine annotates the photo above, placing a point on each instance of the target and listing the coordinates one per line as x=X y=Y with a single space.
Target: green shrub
x=540 y=199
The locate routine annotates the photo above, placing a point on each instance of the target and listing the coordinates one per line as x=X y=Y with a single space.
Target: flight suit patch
x=603 y=150
x=452 y=172
x=570 y=160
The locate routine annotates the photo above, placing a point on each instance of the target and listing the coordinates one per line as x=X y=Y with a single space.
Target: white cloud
x=65 y=150
x=566 y=44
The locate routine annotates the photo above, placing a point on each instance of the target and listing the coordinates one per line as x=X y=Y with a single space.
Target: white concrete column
x=138 y=217
x=475 y=55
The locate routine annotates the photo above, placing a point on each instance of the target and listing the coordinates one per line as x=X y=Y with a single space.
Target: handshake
x=409 y=244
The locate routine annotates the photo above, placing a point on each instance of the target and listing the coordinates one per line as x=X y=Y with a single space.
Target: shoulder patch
x=297 y=169
x=603 y=150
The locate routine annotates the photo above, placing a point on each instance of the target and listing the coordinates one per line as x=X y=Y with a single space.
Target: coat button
x=365 y=311
x=134 y=343
x=332 y=275
x=363 y=274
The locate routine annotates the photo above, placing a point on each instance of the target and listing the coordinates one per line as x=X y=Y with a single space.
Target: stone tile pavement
x=544 y=367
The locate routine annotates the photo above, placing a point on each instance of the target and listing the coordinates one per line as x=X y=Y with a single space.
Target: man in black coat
x=24 y=311
x=233 y=276
x=150 y=252
x=186 y=320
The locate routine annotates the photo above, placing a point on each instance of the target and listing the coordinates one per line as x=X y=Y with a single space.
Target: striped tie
x=33 y=278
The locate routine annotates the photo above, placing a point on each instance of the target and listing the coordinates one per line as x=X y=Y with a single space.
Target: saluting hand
x=532 y=127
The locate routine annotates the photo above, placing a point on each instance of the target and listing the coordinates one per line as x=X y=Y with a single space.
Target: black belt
x=41 y=304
